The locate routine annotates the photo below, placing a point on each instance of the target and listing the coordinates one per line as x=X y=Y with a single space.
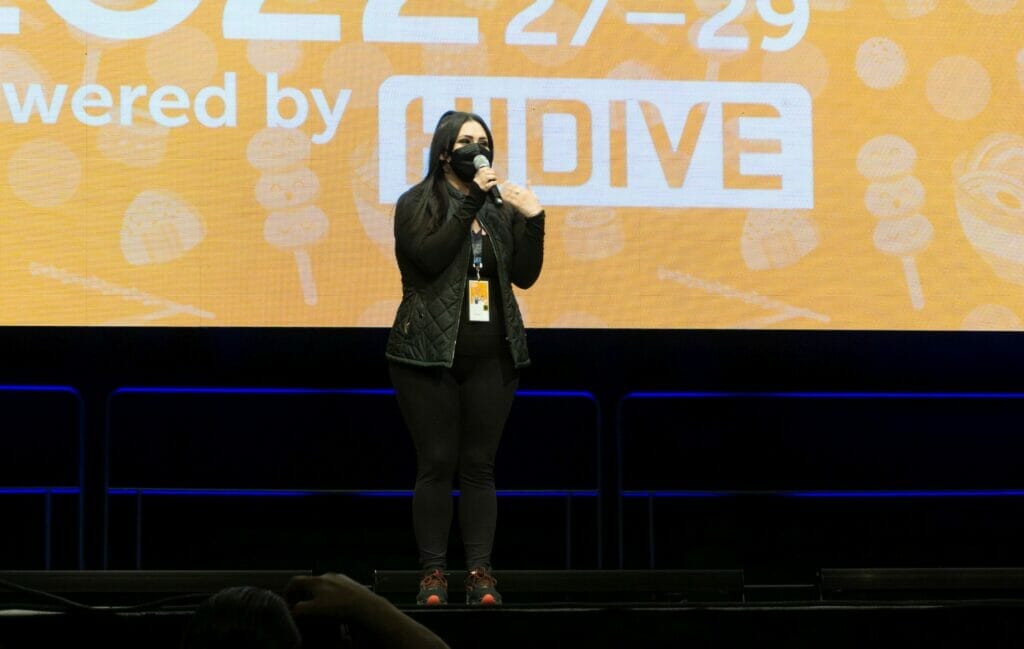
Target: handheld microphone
x=481 y=162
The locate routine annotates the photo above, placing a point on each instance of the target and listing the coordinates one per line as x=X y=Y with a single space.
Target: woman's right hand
x=485 y=178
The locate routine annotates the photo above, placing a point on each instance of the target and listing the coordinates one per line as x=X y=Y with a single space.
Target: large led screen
x=800 y=164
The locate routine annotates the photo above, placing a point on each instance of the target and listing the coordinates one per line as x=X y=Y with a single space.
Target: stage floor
x=844 y=608
x=967 y=623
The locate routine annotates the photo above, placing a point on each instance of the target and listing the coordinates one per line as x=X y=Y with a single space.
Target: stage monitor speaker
x=125 y=587
x=922 y=583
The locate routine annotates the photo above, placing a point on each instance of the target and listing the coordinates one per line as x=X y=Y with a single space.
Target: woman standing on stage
x=458 y=341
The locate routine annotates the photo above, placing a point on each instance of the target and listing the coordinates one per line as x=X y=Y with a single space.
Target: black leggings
x=456 y=417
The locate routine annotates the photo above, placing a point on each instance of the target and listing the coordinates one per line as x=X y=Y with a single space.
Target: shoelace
x=433 y=580
x=482 y=578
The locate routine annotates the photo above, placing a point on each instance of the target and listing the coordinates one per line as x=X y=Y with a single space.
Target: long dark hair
x=432 y=190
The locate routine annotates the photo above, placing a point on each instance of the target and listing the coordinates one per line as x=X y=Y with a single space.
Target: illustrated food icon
x=295 y=230
x=159 y=227
x=896 y=198
x=776 y=238
x=288 y=188
x=990 y=202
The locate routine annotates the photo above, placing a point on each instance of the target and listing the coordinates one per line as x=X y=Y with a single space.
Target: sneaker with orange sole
x=433 y=588
x=480 y=588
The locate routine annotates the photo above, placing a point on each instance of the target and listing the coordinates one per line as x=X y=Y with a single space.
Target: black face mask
x=461 y=160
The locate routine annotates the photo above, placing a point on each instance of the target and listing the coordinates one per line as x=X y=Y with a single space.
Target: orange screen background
x=916 y=217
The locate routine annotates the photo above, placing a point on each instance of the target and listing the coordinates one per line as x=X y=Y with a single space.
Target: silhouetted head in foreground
x=242 y=618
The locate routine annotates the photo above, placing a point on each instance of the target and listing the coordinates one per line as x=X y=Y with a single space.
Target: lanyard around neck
x=478 y=250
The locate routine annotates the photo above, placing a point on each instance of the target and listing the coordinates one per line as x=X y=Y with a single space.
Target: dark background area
x=709 y=480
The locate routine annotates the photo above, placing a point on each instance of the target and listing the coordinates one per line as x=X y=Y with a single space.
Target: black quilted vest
x=427 y=322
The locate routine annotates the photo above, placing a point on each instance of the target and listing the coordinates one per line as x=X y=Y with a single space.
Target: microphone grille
x=481 y=161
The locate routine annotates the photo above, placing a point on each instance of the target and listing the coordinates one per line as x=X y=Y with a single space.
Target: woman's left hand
x=521 y=198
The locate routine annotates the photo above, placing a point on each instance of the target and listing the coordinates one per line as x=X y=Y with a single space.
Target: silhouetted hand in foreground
x=339 y=597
